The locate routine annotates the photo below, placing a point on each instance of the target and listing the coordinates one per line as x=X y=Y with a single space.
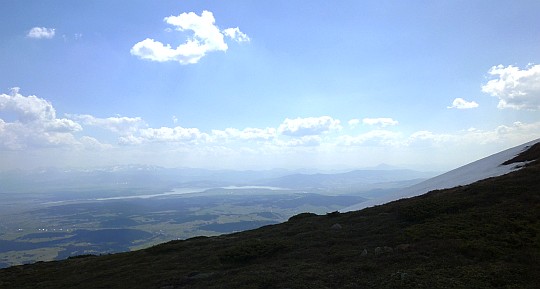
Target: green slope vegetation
x=484 y=235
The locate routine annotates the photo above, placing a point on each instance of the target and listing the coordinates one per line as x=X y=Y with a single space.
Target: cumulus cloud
x=171 y=134
x=308 y=126
x=304 y=141
x=34 y=111
x=460 y=103
x=130 y=140
x=41 y=33
x=207 y=37
x=236 y=35
x=354 y=122
x=188 y=53
x=515 y=88
x=245 y=134
x=34 y=123
x=428 y=137
x=374 y=137
x=26 y=108
x=29 y=122
x=382 y=121
x=176 y=134
x=515 y=133
x=203 y=27
x=121 y=124
x=90 y=143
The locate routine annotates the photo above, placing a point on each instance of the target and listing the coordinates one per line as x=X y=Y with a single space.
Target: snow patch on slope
x=490 y=166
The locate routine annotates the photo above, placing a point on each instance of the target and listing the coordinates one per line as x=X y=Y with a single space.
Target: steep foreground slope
x=483 y=235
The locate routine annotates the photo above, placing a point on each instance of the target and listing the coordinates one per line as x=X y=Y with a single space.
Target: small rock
x=364 y=253
x=336 y=226
x=387 y=249
x=403 y=247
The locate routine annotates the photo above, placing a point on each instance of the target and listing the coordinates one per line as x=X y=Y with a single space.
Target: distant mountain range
x=135 y=176
x=355 y=178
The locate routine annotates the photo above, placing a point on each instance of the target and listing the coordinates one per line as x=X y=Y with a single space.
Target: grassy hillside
x=484 y=235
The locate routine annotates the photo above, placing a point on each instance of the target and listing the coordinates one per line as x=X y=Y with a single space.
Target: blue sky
x=265 y=84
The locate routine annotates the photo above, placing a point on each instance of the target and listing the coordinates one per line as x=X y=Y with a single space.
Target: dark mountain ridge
x=482 y=235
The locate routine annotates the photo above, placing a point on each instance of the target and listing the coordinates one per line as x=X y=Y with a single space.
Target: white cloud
x=236 y=35
x=34 y=123
x=372 y=138
x=90 y=143
x=27 y=108
x=354 y=122
x=304 y=141
x=165 y=135
x=308 y=126
x=30 y=123
x=382 y=121
x=206 y=38
x=10 y=135
x=189 y=53
x=121 y=125
x=34 y=111
x=171 y=134
x=513 y=134
x=62 y=125
x=130 y=140
x=460 y=103
x=515 y=88
x=245 y=134
x=41 y=33
x=427 y=137
x=203 y=27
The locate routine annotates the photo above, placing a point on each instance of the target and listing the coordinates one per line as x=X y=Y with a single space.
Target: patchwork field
x=48 y=228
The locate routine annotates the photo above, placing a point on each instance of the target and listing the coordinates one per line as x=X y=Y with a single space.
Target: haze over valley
x=55 y=214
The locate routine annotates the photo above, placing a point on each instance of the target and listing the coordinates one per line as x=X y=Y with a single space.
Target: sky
x=429 y=85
